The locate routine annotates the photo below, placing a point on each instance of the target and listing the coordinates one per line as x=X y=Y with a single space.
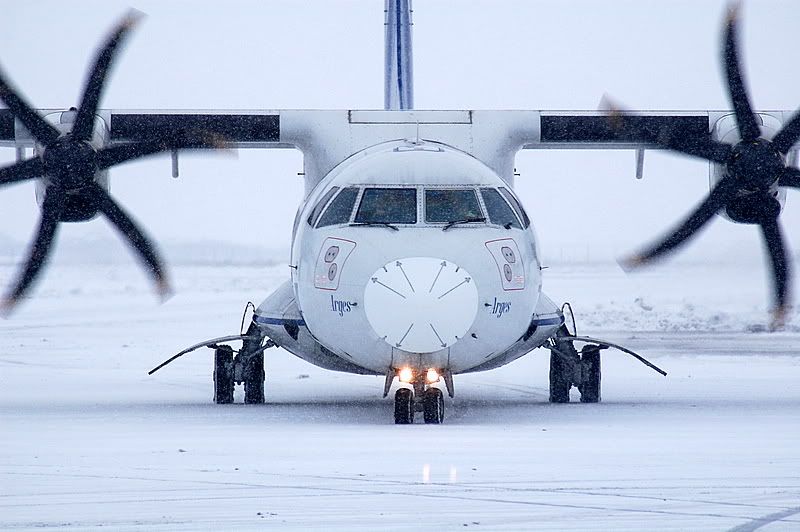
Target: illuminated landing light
x=406 y=375
x=432 y=376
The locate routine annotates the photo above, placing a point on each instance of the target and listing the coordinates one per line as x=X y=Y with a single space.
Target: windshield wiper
x=463 y=221
x=376 y=224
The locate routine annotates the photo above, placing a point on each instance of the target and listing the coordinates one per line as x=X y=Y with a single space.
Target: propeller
x=754 y=169
x=68 y=163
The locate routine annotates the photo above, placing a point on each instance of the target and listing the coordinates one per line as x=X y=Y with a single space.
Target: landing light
x=406 y=375
x=432 y=376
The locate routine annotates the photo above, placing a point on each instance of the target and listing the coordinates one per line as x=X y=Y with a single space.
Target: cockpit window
x=499 y=211
x=340 y=209
x=388 y=206
x=315 y=212
x=450 y=205
x=517 y=207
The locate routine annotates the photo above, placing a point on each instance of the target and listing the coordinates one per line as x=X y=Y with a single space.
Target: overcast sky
x=495 y=54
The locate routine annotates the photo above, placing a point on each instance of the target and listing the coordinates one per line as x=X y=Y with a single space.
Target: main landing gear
x=231 y=367
x=247 y=368
x=424 y=397
x=569 y=368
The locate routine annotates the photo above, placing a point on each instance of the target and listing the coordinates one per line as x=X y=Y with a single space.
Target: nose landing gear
x=423 y=398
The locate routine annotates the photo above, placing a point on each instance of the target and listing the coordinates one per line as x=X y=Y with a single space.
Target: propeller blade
x=788 y=135
x=715 y=200
x=21 y=171
x=745 y=119
x=773 y=238
x=136 y=237
x=114 y=155
x=84 y=121
x=39 y=250
x=790 y=177
x=41 y=130
x=703 y=147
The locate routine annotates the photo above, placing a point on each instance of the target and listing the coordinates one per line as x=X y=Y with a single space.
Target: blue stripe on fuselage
x=263 y=320
x=549 y=321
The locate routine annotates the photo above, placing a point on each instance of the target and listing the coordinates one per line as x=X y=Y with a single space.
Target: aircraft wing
x=327 y=137
x=565 y=129
x=287 y=128
x=257 y=129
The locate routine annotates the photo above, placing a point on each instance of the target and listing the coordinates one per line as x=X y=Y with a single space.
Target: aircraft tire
x=254 y=380
x=560 y=379
x=433 y=406
x=403 y=407
x=590 y=368
x=223 y=375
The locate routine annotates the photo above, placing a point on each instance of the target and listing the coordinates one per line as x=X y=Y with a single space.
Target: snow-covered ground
x=89 y=440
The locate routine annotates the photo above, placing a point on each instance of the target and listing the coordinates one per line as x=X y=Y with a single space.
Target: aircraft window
x=340 y=208
x=449 y=205
x=500 y=212
x=388 y=206
x=517 y=207
x=315 y=212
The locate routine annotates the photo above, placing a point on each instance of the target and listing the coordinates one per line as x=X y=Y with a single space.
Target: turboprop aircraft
x=412 y=257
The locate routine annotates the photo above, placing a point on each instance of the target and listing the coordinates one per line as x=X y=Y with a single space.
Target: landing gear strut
x=230 y=370
x=569 y=367
x=247 y=368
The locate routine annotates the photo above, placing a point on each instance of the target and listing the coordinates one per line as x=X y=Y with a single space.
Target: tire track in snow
x=760 y=522
x=331 y=491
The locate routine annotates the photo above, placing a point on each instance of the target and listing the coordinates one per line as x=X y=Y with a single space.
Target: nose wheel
x=430 y=402
x=404 y=407
x=433 y=406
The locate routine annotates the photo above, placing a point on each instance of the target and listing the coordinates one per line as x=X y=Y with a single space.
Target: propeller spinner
x=753 y=170
x=68 y=164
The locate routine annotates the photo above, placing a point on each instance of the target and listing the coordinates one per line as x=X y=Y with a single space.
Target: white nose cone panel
x=421 y=304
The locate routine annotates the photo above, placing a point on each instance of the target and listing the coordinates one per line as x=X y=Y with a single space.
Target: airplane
x=412 y=258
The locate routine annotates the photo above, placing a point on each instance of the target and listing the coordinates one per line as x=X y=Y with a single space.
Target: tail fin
x=398 y=68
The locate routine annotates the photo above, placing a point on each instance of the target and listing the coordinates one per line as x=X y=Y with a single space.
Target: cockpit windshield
x=500 y=212
x=397 y=205
x=387 y=206
x=452 y=205
x=340 y=208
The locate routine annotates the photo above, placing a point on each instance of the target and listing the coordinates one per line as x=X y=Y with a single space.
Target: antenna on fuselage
x=398 y=71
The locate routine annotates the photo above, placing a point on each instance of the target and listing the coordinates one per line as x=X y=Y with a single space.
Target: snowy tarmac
x=90 y=441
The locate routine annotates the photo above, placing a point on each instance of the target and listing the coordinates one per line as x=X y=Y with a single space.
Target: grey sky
x=489 y=54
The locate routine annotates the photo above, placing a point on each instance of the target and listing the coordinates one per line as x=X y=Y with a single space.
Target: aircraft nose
x=421 y=304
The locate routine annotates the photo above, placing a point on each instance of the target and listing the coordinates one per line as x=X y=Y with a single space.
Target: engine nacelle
x=79 y=207
x=725 y=130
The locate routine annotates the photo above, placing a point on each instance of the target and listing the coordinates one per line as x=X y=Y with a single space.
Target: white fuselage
x=412 y=293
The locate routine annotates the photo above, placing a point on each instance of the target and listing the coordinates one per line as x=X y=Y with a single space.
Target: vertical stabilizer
x=398 y=70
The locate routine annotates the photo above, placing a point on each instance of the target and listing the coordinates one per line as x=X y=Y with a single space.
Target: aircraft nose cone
x=421 y=304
